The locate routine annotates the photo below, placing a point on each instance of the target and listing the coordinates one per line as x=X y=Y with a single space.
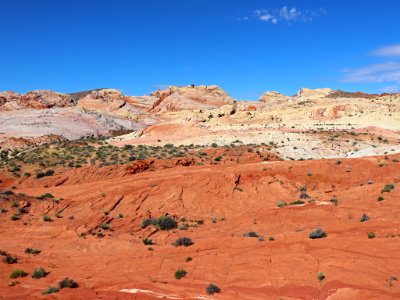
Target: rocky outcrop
x=112 y=101
x=313 y=94
x=39 y=99
x=273 y=98
x=9 y=101
x=190 y=98
x=45 y=99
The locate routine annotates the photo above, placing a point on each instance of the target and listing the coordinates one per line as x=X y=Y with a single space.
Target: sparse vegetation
x=212 y=289
x=320 y=276
x=67 y=283
x=39 y=273
x=18 y=273
x=50 y=290
x=183 y=241
x=281 y=204
x=250 y=234
x=47 y=218
x=147 y=241
x=387 y=188
x=364 y=218
x=180 y=273
x=166 y=223
x=371 y=235
x=32 y=251
x=317 y=234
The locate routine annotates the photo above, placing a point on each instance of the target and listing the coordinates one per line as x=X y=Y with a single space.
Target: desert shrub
x=334 y=200
x=17 y=273
x=183 y=241
x=298 y=202
x=212 y=289
x=250 y=234
x=50 y=290
x=166 y=223
x=320 y=276
x=317 y=234
x=8 y=259
x=46 y=195
x=187 y=259
x=180 y=273
x=40 y=175
x=67 y=283
x=148 y=222
x=14 y=218
x=49 y=172
x=371 y=235
x=22 y=210
x=304 y=195
x=39 y=273
x=380 y=198
x=364 y=218
x=387 y=188
x=147 y=241
x=8 y=192
x=105 y=226
x=281 y=204
x=47 y=218
x=32 y=251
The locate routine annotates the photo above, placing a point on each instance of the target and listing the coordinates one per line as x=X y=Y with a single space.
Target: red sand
x=243 y=196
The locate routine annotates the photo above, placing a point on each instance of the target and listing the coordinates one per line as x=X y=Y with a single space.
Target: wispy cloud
x=284 y=14
x=391 y=89
x=376 y=73
x=390 y=51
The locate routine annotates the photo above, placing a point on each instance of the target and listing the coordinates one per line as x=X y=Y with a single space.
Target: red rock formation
x=45 y=99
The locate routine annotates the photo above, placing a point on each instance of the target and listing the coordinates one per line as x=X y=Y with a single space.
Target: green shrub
x=250 y=234
x=320 y=276
x=183 y=241
x=32 y=251
x=298 y=202
x=46 y=195
x=364 y=218
x=212 y=289
x=67 y=283
x=371 y=235
x=147 y=241
x=17 y=273
x=281 y=204
x=47 y=218
x=39 y=273
x=105 y=226
x=8 y=259
x=387 y=188
x=380 y=198
x=148 y=222
x=180 y=273
x=317 y=234
x=166 y=223
x=50 y=290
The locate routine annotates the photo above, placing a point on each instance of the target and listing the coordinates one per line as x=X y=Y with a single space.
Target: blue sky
x=245 y=46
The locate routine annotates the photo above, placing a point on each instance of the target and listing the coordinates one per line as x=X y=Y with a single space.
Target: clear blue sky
x=245 y=46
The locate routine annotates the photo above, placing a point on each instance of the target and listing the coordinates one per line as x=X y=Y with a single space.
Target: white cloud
x=384 y=72
x=289 y=14
x=285 y=14
x=392 y=50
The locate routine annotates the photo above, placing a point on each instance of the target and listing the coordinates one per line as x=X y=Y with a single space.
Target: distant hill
x=78 y=95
